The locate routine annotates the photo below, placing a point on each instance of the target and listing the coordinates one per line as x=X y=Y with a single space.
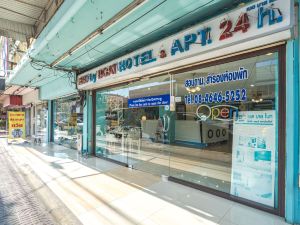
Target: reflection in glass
x=68 y=121
x=41 y=120
x=207 y=134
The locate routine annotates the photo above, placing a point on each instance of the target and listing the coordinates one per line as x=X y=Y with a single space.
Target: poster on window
x=253 y=156
x=16 y=125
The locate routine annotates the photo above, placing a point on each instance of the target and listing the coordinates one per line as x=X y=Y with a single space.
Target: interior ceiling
x=149 y=22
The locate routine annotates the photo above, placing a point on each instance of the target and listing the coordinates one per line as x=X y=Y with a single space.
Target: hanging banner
x=16 y=125
x=253 y=156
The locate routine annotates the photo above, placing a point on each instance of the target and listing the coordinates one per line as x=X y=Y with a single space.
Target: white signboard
x=255 y=20
x=253 y=156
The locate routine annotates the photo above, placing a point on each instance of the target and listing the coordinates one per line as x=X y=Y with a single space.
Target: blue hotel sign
x=158 y=100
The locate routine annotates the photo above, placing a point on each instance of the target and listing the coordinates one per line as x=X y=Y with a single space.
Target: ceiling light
x=256 y=100
x=270 y=53
x=60 y=60
x=252 y=85
x=86 y=41
x=123 y=13
x=193 y=89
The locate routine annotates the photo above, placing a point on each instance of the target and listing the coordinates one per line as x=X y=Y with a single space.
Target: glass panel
x=41 y=118
x=221 y=132
x=27 y=121
x=226 y=128
x=68 y=121
x=130 y=124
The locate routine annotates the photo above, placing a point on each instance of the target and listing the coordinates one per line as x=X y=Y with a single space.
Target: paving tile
x=101 y=192
x=177 y=216
x=139 y=205
x=106 y=187
x=18 y=204
x=191 y=199
x=243 y=215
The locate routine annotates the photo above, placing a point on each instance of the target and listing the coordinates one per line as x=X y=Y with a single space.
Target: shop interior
x=68 y=121
x=183 y=140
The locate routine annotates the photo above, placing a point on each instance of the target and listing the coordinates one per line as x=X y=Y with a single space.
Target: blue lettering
x=205 y=36
x=262 y=4
x=147 y=57
x=271 y=13
x=122 y=65
x=251 y=8
x=176 y=46
x=129 y=63
x=230 y=76
x=233 y=112
x=136 y=60
x=92 y=77
x=188 y=40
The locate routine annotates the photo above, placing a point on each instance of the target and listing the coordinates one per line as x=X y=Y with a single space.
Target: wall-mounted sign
x=253 y=156
x=237 y=95
x=16 y=125
x=149 y=101
x=253 y=21
x=225 y=77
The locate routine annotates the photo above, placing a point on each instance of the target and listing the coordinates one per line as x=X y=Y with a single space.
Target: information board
x=16 y=125
x=253 y=156
x=149 y=101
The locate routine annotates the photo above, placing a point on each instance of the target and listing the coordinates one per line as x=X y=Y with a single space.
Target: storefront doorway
x=215 y=127
x=41 y=122
x=68 y=121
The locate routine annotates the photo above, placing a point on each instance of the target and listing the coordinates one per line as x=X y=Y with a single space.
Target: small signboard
x=150 y=101
x=254 y=156
x=16 y=125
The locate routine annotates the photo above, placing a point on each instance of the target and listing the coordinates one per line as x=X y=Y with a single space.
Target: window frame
x=281 y=49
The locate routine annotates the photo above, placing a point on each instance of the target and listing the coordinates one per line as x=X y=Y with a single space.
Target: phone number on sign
x=237 y=95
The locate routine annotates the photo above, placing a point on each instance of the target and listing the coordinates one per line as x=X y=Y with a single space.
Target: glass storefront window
x=68 y=121
x=226 y=123
x=41 y=120
x=216 y=126
x=121 y=131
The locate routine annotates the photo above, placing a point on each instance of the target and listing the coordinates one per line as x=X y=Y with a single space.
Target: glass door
x=215 y=126
x=134 y=124
x=41 y=120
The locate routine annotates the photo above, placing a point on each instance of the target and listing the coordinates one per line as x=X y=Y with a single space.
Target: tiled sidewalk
x=18 y=203
x=100 y=192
